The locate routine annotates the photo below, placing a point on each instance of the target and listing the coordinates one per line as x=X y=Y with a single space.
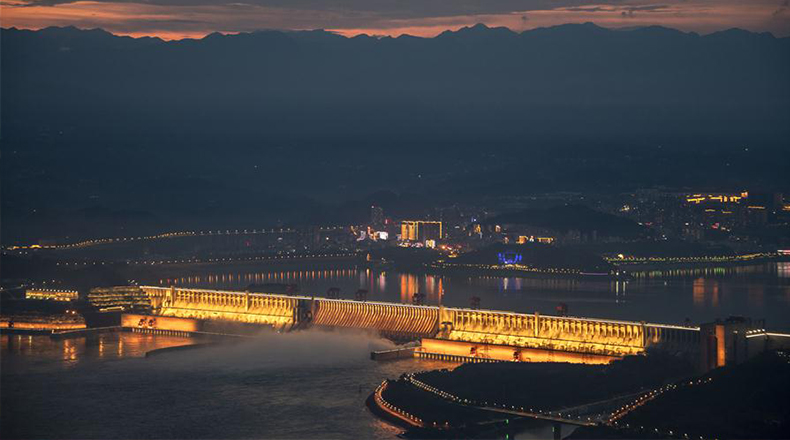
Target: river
x=282 y=386
x=313 y=384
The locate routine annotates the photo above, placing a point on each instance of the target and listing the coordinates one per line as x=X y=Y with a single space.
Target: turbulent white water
x=274 y=351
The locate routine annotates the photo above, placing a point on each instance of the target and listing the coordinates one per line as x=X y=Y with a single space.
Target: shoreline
x=477 y=399
x=628 y=268
x=669 y=405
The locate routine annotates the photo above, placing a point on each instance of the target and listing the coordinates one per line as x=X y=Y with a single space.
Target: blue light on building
x=509 y=257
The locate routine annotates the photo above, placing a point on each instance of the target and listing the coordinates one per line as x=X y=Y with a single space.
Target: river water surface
x=275 y=386
x=314 y=384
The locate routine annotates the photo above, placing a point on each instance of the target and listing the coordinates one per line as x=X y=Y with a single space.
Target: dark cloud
x=421 y=17
x=588 y=9
x=630 y=11
x=393 y=9
x=625 y=11
x=782 y=9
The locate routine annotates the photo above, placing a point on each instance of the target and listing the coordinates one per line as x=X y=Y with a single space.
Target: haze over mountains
x=96 y=124
x=571 y=80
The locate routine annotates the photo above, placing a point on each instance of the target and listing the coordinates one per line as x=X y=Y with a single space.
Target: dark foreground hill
x=741 y=401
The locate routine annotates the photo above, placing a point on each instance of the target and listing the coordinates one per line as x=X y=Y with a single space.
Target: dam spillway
x=396 y=320
x=456 y=326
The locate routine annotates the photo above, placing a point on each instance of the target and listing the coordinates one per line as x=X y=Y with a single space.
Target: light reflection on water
x=281 y=386
x=296 y=385
x=669 y=296
x=41 y=351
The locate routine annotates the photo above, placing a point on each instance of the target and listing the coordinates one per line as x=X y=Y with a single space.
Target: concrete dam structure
x=444 y=331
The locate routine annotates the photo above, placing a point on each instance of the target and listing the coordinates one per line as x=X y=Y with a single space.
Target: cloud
x=384 y=8
x=195 y=18
x=782 y=9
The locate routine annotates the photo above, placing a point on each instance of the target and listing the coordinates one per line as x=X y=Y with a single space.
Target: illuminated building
x=52 y=294
x=381 y=235
x=696 y=199
x=420 y=230
x=509 y=257
x=524 y=239
x=122 y=298
x=735 y=340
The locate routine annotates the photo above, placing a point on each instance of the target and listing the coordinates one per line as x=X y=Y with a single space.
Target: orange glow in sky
x=176 y=21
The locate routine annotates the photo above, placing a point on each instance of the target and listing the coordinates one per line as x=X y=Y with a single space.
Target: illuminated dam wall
x=285 y=312
x=560 y=333
x=528 y=331
x=278 y=311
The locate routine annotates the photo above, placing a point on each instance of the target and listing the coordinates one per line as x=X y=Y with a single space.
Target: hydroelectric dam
x=444 y=332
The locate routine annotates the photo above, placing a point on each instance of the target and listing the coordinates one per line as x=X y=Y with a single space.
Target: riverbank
x=741 y=401
x=752 y=258
x=438 y=417
x=643 y=397
x=663 y=264
x=474 y=399
x=480 y=270
x=41 y=322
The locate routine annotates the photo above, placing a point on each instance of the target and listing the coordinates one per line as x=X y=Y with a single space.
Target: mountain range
x=575 y=81
x=252 y=129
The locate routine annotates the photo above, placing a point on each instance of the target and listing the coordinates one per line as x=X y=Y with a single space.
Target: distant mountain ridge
x=571 y=80
x=477 y=30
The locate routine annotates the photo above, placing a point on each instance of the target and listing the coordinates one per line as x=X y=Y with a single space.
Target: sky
x=176 y=19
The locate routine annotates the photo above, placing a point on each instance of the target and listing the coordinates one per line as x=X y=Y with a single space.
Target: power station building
x=420 y=230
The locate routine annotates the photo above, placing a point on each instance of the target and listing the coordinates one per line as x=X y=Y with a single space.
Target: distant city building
x=524 y=239
x=735 y=340
x=419 y=230
x=376 y=216
x=382 y=235
x=772 y=202
x=696 y=199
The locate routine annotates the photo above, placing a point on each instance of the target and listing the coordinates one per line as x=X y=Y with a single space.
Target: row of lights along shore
x=98 y=241
x=209 y=260
x=612 y=420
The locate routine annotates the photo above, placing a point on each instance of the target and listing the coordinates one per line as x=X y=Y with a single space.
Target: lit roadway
x=507 y=409
x=101 y=241
x=612 y=418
